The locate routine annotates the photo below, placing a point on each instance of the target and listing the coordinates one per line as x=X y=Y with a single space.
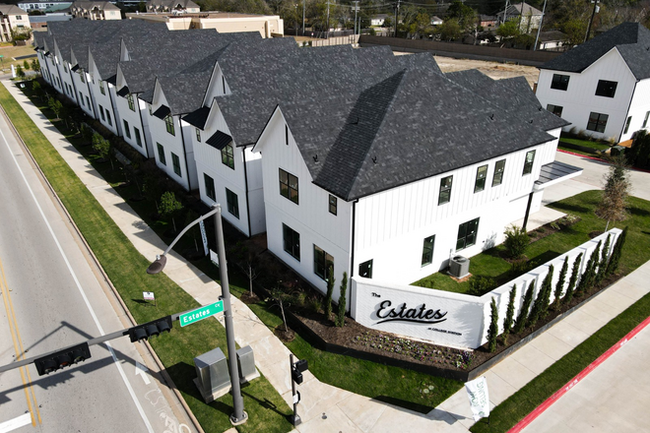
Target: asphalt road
x=53 y=297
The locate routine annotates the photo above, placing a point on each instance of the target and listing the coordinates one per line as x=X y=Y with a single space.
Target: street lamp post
x=238 y=416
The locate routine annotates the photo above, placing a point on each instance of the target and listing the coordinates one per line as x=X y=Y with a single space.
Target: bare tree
x=612 y=206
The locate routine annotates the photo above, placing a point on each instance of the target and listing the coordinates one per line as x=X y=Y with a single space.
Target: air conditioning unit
x=459 y=266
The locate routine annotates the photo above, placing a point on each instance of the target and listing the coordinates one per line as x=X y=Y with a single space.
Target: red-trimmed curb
x=581 y=155
x=573 y=382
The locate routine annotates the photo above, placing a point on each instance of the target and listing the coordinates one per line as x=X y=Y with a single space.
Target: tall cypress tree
x=340 y=317
x=510 y=313
x=330 y=291
x=575 y=275
x=589 y=276
x=547 y=287
x=541 y=301
x=493 y=330
x=559 y=286
x=523 y=313
x=612 y=266
x=602 y=264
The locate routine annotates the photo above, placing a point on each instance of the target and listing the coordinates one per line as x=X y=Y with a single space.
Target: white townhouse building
x=602 y=86
x=415 y=170
x=12 y=18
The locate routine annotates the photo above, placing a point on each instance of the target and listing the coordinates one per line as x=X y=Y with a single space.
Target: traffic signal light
x=63 y=358
x=297 y=369
x=150 y=329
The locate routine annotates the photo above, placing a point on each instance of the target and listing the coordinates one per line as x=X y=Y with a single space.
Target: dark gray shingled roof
x=414 y=125
x=513 y=95
x=631 y=39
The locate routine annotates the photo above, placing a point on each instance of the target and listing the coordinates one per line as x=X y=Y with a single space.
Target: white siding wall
x=638 y=109
x=132 y=117
x=398 y=220
x=310 y=217
x=208 y=161
x=580 y=99
x=104 y=101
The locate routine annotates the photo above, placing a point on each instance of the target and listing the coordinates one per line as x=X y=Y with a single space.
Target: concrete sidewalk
x=325 y=408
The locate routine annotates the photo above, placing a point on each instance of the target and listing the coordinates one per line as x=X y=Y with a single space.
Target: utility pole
x=593 y=14
x=303 y=17
x=505 y=12
x=396 y=17
x=328 y=19
x=539 y=28
x=356 y=8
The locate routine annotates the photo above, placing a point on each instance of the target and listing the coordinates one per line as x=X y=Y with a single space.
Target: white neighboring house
x=602 y=86
x=95 y=10
x=527 y=17
x=375 y=199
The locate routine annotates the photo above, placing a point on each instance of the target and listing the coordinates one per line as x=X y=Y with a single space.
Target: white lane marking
x=81 y=291
x=142 y=371
x=15 y=423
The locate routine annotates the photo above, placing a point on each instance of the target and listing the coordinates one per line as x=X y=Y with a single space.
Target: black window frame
x=228 y=155
x=627 y=124
x=444 y=193
x=102 y=90
x=161 y=154
x=322 y=262
x=560 y=82
x=138 y=137
x=232 y=203
x=555 y=109
x=333 y=204
x=169 y=124
x=645 y=121
x=529 y=161
x=365 y=269
x=479 y=184
x=499 y=170
x=606 y=88
x=127 y=130
x=285 y=186
x=291 y=241
x=427 y=250
x=467 y=234
x=210 y=190
x=597 y=122
x=129 y=100
x=176 y=164
x=198 y=134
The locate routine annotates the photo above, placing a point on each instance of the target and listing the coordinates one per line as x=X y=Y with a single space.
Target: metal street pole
x=539 y=27
x=238 y=416
x=303 y=17
x=356 y=8
x=593 y=14
x=295 y=419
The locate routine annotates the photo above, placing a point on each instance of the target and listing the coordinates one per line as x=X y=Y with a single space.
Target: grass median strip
x=125 y=267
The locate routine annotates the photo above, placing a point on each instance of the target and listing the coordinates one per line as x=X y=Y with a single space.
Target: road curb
x=573 y=382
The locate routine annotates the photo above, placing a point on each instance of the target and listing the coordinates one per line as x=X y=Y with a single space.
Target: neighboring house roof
x=632 y=40
x=11 y=10
x=513 y=95
x=172 y=4
x=90 y=5
x=523 y=9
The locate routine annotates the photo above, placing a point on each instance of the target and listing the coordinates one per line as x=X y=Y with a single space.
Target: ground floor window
x=322 y=262
x=597 y=122
x=161 y=154
x=209 y=187
x=427 y=250
x=291 y=241
x=365 y=269
x=467 y=234
x=233 y=203
x=176 y=161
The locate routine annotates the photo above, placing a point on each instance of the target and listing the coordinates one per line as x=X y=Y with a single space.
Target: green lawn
x=126 y=269
x=491 y=264
x=586 y=147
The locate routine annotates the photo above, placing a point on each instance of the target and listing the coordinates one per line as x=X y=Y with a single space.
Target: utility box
x=459 y=266
x=246 y=362
x=213 y=378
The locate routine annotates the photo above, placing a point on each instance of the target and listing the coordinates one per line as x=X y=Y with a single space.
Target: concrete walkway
x=325 y=408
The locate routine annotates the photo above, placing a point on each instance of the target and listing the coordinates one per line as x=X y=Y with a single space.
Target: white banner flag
x=479 y=399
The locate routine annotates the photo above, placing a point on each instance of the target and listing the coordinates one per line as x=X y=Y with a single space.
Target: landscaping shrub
x=510 y=312
x=559 y=286
x=493 y=330
x=340 y=318
x=330 y=290
x=515 y=242
x=614 y=259
x=575 y=275
x=522 y=317
x=478 y=285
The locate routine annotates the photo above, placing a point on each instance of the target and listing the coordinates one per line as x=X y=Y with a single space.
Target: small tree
x=101 y=146
x=169 y=205
x=602 y=265
x=36 y=66
x=516 y=242
x=330 y=290
x=522 y=317
x=340 y=319
x=614 y=259
x=575 y=275
x=251 y=272
x=55 y=105
x=26 y=65
x=559 y=286
x=493 y=330
x=279 y=297
x=37 y=89
x=510 y=313
x=612 y=206
x=19 y=72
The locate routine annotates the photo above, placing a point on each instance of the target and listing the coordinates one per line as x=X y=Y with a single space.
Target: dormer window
x=227 y=155
x=101 y=88
x=169 y=124
x=129 y=99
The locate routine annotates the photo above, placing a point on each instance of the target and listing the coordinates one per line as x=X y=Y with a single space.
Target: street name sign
x=200 y=313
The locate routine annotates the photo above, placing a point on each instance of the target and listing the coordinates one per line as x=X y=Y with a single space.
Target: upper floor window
x=606 y=88
x=627 y=124
x=101 y=88
x=227 y=155
x=528 y=163
x=555 y=109
x=169 y=124
x=445 y=190
x=597 y=122
x=481 y=175
x=560 y=82
x=333 y=204
x=129 y=99
x=289 y=186
x=499 y=168
x=198 y=134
